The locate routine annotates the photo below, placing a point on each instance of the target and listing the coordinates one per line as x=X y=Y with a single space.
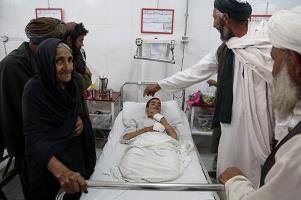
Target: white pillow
x=135 y=110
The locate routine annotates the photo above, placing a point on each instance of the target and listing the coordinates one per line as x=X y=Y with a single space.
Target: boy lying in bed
x=153 y=153
x=153 y=122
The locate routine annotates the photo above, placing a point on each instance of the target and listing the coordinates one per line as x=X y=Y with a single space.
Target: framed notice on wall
x=258 y=24
x=259 y=18
x=50 y=12
x=159 y=21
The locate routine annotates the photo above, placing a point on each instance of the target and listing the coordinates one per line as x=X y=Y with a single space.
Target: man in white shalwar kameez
x=280 y=177
x=247 y=126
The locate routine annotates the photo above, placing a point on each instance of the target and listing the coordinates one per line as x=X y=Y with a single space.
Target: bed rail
x=156 y=186
x=150 y=186
x=163 y=95
x=139 y=83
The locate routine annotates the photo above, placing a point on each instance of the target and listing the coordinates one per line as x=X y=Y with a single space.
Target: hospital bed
x=193 y=184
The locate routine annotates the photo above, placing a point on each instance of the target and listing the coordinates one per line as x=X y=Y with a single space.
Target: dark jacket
x=15 y=70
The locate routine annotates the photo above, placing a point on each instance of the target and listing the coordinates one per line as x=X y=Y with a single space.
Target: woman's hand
x=70 y=181
x=79 y=126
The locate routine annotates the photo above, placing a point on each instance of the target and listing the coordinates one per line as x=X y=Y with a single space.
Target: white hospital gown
x=245 y=143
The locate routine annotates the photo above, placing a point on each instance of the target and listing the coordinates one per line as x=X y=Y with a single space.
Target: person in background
x=57 y=155
x=153 y=121
x=75 y=39
x=244 y=68
x=280 y=175
x=15 y=70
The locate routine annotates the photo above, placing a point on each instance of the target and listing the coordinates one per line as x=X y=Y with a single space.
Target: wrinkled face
x=219 y=24
x=79 y=43
x=154 y=106
x=286 y=91
x=64 y=66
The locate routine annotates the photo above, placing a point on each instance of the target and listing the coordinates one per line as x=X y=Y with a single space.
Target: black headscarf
x=49 y=118
x=239 y=11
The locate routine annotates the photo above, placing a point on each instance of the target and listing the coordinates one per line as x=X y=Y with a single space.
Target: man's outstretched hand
x=151 y=90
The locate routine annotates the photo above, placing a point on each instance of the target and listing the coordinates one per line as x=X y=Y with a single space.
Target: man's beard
x=286 y=93
x=75 y=51
x=225 y=33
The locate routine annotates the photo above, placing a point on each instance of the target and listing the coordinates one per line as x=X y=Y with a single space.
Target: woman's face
x=64 y=66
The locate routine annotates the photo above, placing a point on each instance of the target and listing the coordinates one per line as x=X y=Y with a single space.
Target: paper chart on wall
x=258 y=24
x=49 y=12
x=157 y=21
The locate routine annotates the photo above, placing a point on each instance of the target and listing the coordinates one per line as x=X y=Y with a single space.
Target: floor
x=13 y=189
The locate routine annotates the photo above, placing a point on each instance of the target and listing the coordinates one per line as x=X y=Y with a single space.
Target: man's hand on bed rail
x=70 y=181
x=151 y=89
x=230 y=173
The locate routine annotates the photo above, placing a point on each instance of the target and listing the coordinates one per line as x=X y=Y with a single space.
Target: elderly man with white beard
x=280 y=175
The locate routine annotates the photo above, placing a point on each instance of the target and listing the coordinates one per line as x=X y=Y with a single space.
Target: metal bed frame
x=7 y=175
x=214 y=188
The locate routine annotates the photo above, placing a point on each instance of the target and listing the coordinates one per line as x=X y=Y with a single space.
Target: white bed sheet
x=112 y=154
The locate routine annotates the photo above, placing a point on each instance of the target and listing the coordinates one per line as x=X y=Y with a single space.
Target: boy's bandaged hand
x=158 y=127
x=158 y=117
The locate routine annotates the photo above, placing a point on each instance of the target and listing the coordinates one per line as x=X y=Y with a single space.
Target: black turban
x=238 y=10
x=42 y=28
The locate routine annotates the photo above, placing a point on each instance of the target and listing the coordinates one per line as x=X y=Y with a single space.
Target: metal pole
x=155 y=59
x=150 y=186
x=156 y=186
x=183 y=49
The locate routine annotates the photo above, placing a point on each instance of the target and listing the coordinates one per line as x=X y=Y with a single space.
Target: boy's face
x=154 y=107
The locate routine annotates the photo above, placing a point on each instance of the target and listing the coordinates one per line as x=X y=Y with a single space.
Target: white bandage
x=158 y=127
x=158 y=117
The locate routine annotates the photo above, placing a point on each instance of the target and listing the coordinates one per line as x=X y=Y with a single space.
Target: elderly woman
x=59 y=144
x=153 y=121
